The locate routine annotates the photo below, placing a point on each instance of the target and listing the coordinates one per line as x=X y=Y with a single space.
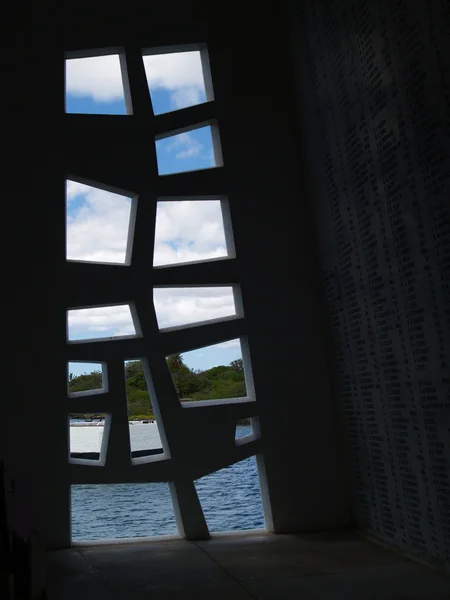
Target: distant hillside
x=218 y=382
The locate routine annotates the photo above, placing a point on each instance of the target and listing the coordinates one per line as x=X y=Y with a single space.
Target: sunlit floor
x=257 y=565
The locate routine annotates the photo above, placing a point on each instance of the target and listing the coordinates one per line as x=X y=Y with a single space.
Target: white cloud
x=97 y=228
x=193 y=149
x=74 y=189
x=97 y=77
x=104 y=321
x=184 y=145
x=180 y=73
x=97 y=224
x=173 y=306
x=100 y=77
x=174 y=71
x=186 y=96
x=180 y=306
x=98 y=221
x=188 y=231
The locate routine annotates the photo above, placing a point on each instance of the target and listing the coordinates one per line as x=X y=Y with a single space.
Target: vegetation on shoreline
x=218 y=382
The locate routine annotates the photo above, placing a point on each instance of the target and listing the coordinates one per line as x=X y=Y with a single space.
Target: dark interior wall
x=251 y=80
x=374 y=103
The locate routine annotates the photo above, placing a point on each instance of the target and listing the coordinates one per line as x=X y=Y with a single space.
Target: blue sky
x=97 y=221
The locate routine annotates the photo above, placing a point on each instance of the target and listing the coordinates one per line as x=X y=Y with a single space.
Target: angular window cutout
x=231 y=498
x=98 y=225
x=244 y=430
x=189 y=230
x=175 y=80
x=209 y=373
x=188 y=151
x=121 y=511
x=144 y=434
x=182 y=306
x=86 y=436
x=101 y=323
x=85 y=378
x=94 y=86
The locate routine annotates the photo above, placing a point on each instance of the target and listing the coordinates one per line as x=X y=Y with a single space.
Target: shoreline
x=101 y=423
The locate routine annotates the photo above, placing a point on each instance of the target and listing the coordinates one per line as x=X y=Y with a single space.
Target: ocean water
x=230 y=498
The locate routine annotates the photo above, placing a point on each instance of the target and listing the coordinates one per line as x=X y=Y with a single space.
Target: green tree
x=218 y=382
x=138 y=398
x=184 y=379
x=85 y=382
x=237 y=365
x=134 y=375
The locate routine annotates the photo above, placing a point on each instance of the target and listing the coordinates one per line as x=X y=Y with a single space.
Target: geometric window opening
x=86 y=436
x=180 y=306
x=231 y=498
x=209 y=373
x=94 y=86
x=123 y=510
x=175 y=80
x=244 y=431
x=189 y=231
x=190 y=150
x=101 y=323
x=85 y=378
x=97 y=225
x=144 y=434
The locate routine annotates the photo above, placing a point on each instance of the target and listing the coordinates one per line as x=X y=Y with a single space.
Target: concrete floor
x=254 y=565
